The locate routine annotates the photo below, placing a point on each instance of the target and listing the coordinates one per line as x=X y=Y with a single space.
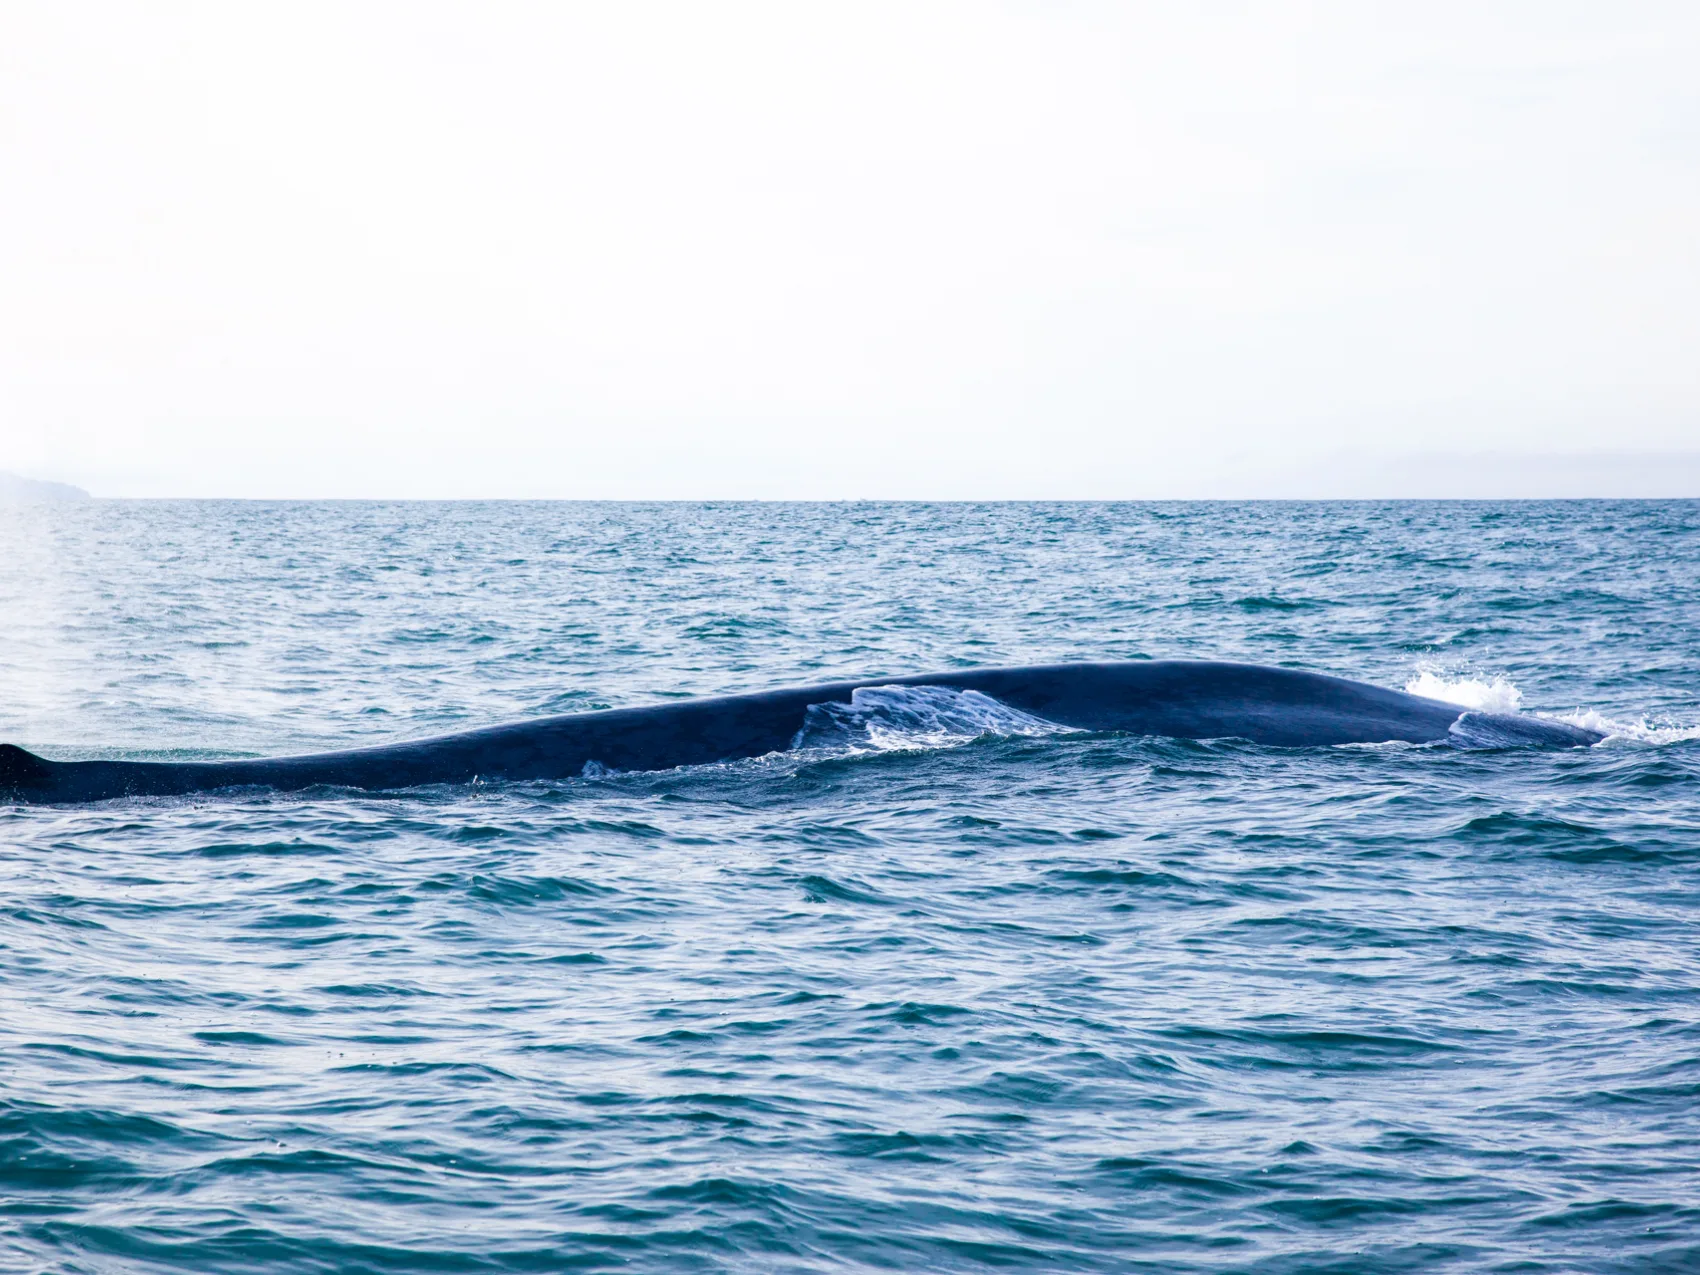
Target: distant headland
x=15 y=489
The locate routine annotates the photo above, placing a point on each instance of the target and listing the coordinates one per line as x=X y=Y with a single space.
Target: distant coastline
x=15 y=489
x=1233 y=476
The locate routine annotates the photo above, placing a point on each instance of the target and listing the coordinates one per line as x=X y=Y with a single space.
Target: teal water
x=920 y=1002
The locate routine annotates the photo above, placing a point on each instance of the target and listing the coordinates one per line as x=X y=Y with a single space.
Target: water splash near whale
x=1491 y=698
x=882 y=719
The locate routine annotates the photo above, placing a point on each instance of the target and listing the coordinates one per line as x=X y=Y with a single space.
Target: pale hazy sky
x=919 y=249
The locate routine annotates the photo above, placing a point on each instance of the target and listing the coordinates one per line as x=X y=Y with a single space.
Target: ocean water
x=941 y=991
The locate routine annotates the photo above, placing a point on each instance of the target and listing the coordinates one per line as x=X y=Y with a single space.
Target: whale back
x=1185 y=699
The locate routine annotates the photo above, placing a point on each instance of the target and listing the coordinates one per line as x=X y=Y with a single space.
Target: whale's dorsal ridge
x=21 y=770
x=1182 y=699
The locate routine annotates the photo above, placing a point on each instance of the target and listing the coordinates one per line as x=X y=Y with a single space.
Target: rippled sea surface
x=1089 y=1003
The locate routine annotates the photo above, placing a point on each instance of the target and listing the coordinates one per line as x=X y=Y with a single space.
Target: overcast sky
x=919 y=249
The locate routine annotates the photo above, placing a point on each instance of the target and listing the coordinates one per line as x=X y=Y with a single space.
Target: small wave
x=883 y=719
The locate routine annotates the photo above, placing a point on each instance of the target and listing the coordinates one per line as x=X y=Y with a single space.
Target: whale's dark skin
x=1186 y=699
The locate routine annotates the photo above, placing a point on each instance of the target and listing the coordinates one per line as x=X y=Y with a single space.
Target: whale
x=1184 y=699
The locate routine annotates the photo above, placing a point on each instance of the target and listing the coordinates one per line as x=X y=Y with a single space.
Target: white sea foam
x=905 y=718
x=1495 y=696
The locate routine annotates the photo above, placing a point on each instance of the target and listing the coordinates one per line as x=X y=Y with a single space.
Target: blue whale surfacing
x=1184 y=699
